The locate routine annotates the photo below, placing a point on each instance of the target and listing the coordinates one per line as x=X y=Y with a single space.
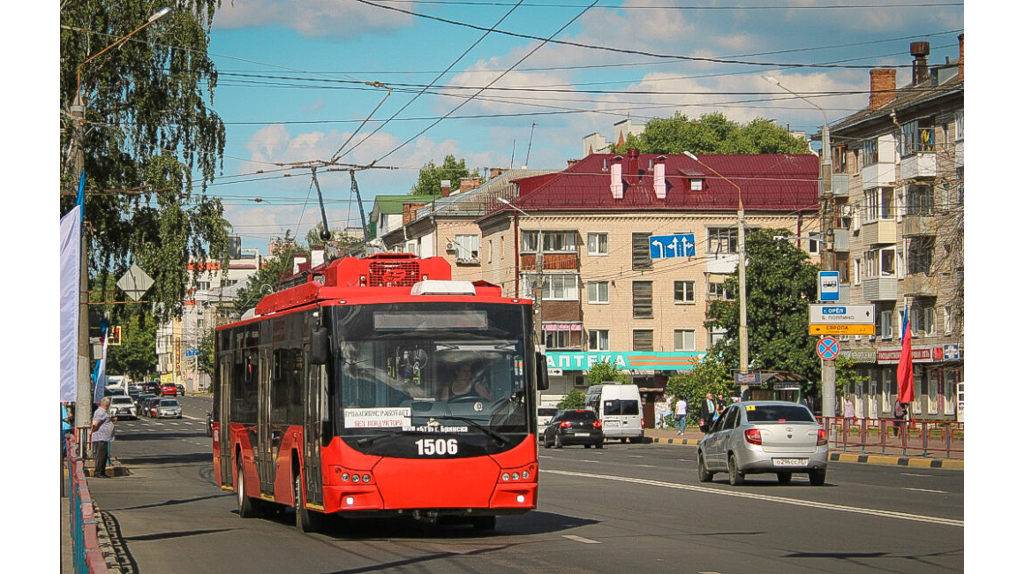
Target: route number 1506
x=437 y=446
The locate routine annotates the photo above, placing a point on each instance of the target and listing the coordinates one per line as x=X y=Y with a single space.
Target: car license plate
x=789 y=461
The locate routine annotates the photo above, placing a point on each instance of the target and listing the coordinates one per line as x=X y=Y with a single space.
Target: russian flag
x=905 y=370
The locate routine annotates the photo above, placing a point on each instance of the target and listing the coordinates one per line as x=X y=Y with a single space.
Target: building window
x=917 y=136
x=685 y=340
x=856 y=272
x=919 y=200
x=562 y=339
x=880 y=262
x=467 y=248
x=839 y=159
x=559 y=241
x=643 y=340
x=870 y=152
x=958 y=126
x=203 y=285
x=722 y=240
x=563 y=287
x=919 y=254
x=643 y=300
x=529 y=240
x=684 y=292
x=717 y=335
x=696 y=184
x=641 y=251
x=598 y=340
x=597 y=292
x=597 y=244
x=880 y=203
x=717 y=291
x=885 y=324
x=922 y=320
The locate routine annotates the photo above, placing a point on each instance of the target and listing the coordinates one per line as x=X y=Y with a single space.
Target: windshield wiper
x=502 y=439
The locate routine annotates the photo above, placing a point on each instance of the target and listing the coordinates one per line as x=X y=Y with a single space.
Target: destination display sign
x=841 y=329
x=848 y=314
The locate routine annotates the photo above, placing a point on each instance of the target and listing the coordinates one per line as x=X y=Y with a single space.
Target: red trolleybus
x=380 y=387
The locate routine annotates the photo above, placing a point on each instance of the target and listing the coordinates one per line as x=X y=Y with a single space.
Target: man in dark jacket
x=707 y=412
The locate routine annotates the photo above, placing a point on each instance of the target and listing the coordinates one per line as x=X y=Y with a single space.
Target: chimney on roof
x=883 y=88
x=616 y=177
x=571 y=162
x=468 y=183
x=497 y=171
x=920 y=51
x=633 y=167
x=446 y=187
x=660 y=188
x=961 y=38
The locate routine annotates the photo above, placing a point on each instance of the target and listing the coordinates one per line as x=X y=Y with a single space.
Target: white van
x=618 y=407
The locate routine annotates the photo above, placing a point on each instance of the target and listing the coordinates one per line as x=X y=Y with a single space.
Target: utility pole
x=83 y=397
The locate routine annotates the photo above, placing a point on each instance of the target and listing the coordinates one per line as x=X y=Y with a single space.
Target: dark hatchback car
x=574 y=427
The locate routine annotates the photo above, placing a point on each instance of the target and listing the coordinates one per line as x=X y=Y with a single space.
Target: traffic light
x=115 y=336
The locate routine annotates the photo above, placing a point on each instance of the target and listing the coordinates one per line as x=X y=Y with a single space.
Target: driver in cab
x=465 y=385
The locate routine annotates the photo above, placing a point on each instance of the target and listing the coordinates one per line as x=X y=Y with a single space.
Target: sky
x=396 y=84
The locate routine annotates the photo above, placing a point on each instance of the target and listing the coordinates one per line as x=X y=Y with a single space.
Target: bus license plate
x=789 y=461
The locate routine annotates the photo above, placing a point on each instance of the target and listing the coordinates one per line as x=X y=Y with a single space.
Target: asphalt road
x=623 y=508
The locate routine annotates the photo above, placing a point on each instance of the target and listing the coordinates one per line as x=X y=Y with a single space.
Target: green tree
x=150 y=140
x=781 y=283
x=206 y=356
x=713 y=133
x=846 y=378
x=605 y=372
x=136 y=355
x=340 y=239
x=574 y=400
x=709 y=376
x=431 y=175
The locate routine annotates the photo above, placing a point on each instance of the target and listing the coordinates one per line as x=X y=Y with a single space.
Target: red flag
x=905 y=370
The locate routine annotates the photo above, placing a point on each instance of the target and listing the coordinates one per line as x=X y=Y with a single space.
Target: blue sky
x=297 y=81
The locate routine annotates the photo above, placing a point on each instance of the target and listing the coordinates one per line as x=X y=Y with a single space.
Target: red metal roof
x=769 y=182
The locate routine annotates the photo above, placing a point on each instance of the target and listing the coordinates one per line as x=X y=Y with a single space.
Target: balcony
x=959 y=154
x=840 y=185
x=880 y=288
x=919 y=225
x=724 y=263
x=552 y=262
x=918 y=165
x=878 y=175
x=879 y=232
x=920 y=285
x=841 y=240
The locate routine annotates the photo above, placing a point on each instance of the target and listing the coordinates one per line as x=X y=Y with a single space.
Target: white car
x=122 y=407
x=168 y=409
x=544 y=415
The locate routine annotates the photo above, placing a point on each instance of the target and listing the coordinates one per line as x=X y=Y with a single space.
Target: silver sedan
x=757 y=437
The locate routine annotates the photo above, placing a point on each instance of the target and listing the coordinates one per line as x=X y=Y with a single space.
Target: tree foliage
x=136 y=355
x=150 y=140
x=431 y=175
x=339 y=239
x=574 y=400
x=781 y=283
x=604 y=372
x=709 y=376
x=713 y=133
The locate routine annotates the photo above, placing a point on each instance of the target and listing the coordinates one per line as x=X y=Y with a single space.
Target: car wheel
x=817 y=477
x=735 y=476
x=702 y=469
x=586 y=446
x=785 y=477
x=623 y=439
x=599 y=444
x=547 y=444
x=484 y=523
x=558 y=441
x=246 y=509
x=305 y=520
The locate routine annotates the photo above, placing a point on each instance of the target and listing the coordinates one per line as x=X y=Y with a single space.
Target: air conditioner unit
x=449 y=246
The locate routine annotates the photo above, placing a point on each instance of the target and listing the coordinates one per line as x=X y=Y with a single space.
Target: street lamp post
x=828 y=368
x=538 y=292
x=742 y=266
x=83 y=398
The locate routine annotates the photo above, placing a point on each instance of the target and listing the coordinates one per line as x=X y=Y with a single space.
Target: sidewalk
x=867 y=454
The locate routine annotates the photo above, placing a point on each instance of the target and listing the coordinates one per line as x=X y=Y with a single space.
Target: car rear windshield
x=621 y=407
x=121 y=400
x=579 y=416
x=169 y=403
x=778 y=414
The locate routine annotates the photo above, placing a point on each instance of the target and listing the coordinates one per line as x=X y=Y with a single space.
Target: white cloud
x=336 y=19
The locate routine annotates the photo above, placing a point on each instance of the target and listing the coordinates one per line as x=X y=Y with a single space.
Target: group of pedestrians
x=102 y=433
x=710 y=409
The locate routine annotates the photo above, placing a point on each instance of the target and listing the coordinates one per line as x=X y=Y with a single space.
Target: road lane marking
x=766 y=498
x=926 y=490
x=580 y=539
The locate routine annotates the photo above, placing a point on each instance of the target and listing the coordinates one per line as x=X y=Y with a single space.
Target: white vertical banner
x=70 y=277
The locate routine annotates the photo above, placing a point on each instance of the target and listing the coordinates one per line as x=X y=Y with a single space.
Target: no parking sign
x=828 y=348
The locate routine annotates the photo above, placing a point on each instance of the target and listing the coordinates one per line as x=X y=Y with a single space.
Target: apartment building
x=899 y=189
x=582 y=241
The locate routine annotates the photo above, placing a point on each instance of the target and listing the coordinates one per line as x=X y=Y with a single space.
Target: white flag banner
x=101 y=368
x=70 y=275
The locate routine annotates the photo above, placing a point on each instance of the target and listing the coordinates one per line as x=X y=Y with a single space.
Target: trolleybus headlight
x=350 y=500
x=526 y=475
x=366 y=478
x=505 y=476
x=355 y=478
x=344 y=477
x=515 y=476
x=520 y=498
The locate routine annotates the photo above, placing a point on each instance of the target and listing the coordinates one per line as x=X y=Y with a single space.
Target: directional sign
x=828 y=348
x=828 y=286
x=668 y=246
x=841 y=329
x=842 y=314
x=135 y=282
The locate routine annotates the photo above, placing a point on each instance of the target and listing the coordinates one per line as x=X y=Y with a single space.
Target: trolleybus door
x=312 y=430
x=264 y=457
x=223 y=417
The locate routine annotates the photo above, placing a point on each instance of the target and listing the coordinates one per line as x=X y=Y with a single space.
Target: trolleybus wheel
x=305 y=520
x=246 y=509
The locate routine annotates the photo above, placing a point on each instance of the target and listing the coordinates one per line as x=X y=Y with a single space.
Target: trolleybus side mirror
x=542 y=372
x=318 y=346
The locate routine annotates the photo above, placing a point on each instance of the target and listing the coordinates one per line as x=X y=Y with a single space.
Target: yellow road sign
x=841 y=329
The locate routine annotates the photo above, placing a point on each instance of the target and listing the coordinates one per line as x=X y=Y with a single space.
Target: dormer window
x=696 y=184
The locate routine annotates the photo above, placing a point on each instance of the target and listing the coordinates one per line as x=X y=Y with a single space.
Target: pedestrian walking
x=680 y=413
x=102 y=435
x=848 y=410
x=899 y=411
x=707 y=413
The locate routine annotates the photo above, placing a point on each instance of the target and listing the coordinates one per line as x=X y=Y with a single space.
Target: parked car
x=180 y=389
x=151 y=387
x=168 y=409
x=754 y=437
x=151 y=406
x=574 y=427
x=544 y=416
x=142 y=401
x=122 y=407
x=169 y=390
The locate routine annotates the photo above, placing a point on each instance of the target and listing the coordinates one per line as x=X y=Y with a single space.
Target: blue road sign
x=828 y=286
x=669 y=246
x=828 y=348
